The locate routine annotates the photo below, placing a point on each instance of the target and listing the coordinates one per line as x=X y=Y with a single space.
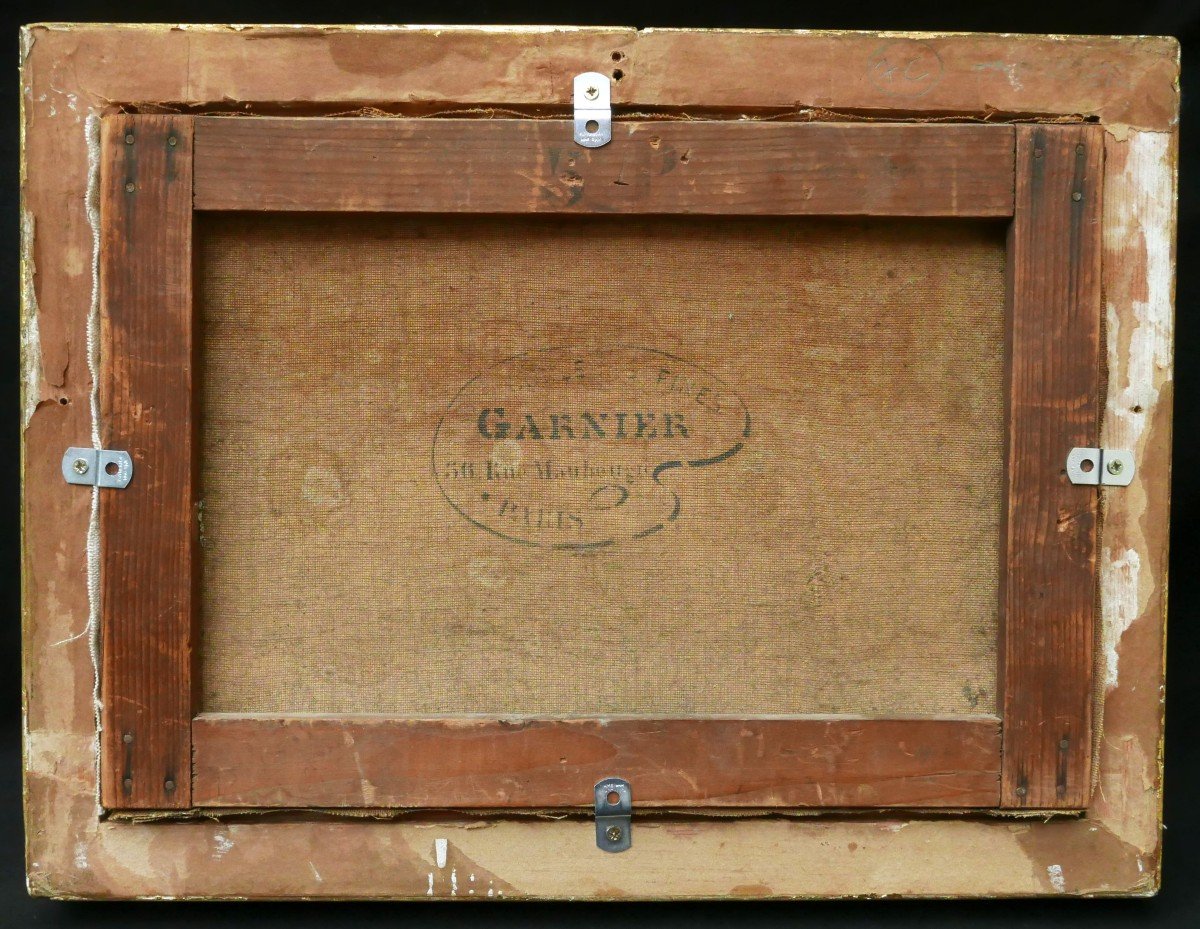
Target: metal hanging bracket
x=97 y=467
x=614 y=807
x=593 y=110
x=1109 y=467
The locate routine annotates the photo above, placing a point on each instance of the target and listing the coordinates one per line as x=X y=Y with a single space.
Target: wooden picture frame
x=156 y=169
x=1068 y=190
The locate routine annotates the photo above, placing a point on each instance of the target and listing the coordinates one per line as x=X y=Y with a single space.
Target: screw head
x=1116 y=466
x=1077 y=196
x=129 y=138
x=591 y=92
x=129 y=187
x=172 y=141
x=614 y=833
x=80 y=466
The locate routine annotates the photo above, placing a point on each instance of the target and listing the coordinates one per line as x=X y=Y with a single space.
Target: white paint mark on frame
x=1146 y=217
x=1119 y=594
x=223 y=844
x=31 y=339
x=1140 y=347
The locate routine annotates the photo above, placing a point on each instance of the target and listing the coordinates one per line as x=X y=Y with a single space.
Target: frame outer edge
x=72 y=854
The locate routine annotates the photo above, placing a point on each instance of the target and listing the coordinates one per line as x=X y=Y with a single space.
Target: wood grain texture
x=496 y=166
x=341 y=761
x=146 y=529
x=1122 y=80
x=1111 y=850
x=1050 y=586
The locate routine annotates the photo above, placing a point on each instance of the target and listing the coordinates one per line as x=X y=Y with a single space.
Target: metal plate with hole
x=593 y=110
x=614 y=807
x=1110 y=467
x=97 y=467
x=1083 y=465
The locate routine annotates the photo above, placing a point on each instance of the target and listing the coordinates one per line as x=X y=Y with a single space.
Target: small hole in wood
x=618 y=74
x=613 y=798
x=1087 y=466
x=111 y=468
x=1138 y=408
x=591 y=125
x=63 y=400
x=617 y=56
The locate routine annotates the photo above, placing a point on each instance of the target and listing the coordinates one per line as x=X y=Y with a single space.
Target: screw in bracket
x=80 y=466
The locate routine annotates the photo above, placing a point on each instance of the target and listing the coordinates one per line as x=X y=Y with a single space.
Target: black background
x=1179 y=903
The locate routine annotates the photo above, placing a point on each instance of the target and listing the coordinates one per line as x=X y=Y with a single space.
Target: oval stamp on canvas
x=575 y=450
